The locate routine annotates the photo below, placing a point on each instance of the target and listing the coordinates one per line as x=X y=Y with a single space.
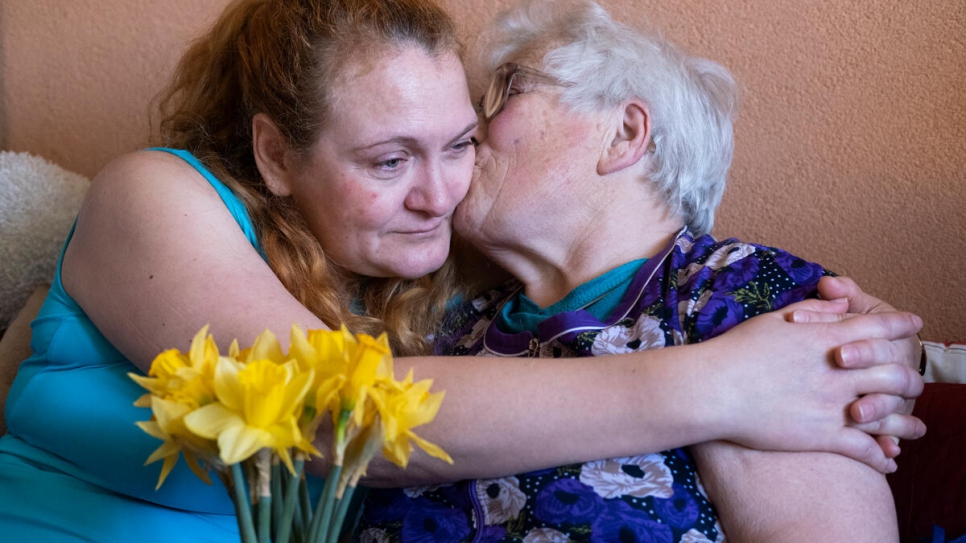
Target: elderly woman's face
x=379 y=187
x=535 y=149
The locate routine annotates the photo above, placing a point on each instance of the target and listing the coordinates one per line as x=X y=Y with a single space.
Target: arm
x=573 y=410
x=806 y=496
x=795 y=497
x=156 y=256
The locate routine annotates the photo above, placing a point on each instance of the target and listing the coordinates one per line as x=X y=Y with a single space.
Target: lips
x=423 y=230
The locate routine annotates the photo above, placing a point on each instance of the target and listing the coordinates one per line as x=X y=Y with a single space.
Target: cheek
x=371 y=210
x=353 y=213
x=461 y=184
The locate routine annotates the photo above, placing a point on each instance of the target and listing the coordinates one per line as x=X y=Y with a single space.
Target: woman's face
x=534 y=152
x=379 y=187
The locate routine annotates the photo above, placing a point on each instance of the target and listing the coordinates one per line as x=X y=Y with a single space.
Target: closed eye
x=464 y=144
x=390 y=164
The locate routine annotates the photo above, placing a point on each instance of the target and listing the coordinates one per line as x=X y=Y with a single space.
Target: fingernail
x=863 y=413
x=894 y=439
x=846 y=354
x=797 y=316
x=892 y=466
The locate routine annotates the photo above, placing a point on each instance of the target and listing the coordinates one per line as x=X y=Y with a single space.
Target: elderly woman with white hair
x=605 y=159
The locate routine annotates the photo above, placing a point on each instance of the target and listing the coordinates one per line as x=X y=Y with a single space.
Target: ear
x=270 y=155
x=630 y=140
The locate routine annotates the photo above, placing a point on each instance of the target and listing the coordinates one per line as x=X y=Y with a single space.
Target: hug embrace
x=316 y=158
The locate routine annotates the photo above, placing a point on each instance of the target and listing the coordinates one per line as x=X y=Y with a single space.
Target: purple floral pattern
x=622 y=523
x=568 y=501
x=700 y=288
x=429 y=522
x=680 y=510
x=501 y=499
x=638 y=476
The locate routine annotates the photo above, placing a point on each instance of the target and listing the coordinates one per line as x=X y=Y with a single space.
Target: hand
x=795 y=394
x=875 y=413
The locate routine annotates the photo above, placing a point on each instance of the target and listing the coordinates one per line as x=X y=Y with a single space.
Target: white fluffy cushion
x=945 y=363
x=38 y=203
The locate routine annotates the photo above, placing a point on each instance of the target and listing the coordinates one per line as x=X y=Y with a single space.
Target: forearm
x=555 y=412
x=795 y=497
x=766 y=384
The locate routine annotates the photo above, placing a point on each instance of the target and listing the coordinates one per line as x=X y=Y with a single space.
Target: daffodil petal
x=426 y=410
x=212 y=420
x=169 y=463
x=397 y=452
x=266 y=346
x=295 y=391
x=197 y=350
x=431 y=449
x=300 y=348
x=227 y=385
x=167 y=411
x=240 y=442
x=285 y=434
x=196 y=468
x=286 y=459
x=166 y=449
x=148 y=383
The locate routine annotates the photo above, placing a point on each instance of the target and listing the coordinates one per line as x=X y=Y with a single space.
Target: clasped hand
x=834 y=376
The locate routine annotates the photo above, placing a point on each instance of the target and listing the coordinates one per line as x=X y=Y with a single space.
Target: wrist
x=716 y=384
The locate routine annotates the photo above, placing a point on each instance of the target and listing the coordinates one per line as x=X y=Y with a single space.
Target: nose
x=433 y=191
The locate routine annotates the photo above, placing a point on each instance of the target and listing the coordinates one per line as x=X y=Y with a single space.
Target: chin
x=426 y=262
x=415 y=272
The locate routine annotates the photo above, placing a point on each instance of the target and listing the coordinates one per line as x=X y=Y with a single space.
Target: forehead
x=403 y=90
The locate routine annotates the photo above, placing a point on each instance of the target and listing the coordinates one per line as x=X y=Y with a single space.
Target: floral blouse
x=693 y=290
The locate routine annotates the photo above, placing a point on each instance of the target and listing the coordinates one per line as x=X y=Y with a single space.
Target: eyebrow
x=469 y=128
x=409 y=140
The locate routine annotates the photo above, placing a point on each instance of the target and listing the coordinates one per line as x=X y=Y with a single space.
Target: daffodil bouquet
x=252 y=416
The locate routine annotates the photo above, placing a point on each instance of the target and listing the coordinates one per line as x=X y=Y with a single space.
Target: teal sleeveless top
x=59 y=481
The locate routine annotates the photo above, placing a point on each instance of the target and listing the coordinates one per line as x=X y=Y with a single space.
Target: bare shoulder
x=156 y=255
x=139 y=205
x=150 y=178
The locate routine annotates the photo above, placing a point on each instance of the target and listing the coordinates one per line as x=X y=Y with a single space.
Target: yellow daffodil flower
x=265 y=347
x=167 y=424
x=402 y=407
x=346 y=369
x=369 y=360
x=257 y=408
x=184 y=379
x=323 y=352
x=221 y=411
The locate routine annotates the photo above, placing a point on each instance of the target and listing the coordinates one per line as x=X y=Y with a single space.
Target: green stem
x=243 y=510
x=340 y=427
x=264 y=519
x=340 y=513
x=263 y=487
x=305 y=503
x=277 y=493
x=323 y=511
x=291 y=501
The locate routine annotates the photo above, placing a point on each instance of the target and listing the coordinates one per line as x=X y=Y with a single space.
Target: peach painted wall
x=851 y=142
